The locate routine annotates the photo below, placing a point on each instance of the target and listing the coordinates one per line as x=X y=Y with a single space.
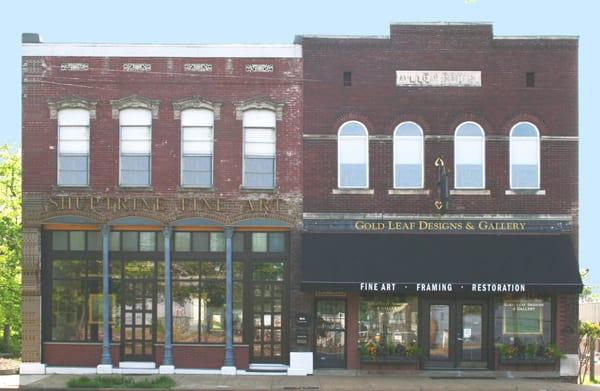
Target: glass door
x=330 y=334
x=267 y=311
x=457 y=334
x=137 y=311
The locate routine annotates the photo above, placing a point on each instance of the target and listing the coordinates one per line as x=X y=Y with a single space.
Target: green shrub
x=120 y=382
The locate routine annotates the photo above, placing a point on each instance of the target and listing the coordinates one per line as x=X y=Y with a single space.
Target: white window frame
x=212 y=156
x=339 y=165
x=422 y=139
x=510 y=151
x=149 y=184
x=482 y=154
x=58 y=153
x=244 y=185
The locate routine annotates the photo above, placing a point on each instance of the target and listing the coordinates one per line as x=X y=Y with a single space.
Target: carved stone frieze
x=265 y=68
x=71 y=102
x=258 y=102
x=198 y=67
x=134 y=102
x=196 y=103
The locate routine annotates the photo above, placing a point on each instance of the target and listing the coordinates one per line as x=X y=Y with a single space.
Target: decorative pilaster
x=228 y=364
x=167 y=364
x=105 y=297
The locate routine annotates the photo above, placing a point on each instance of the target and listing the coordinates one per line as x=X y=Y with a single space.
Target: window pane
x=115 y=241
x=60 y=240
x=130 y=241
x=77 y=240
x=469 y=129
x=160 y=241
x=387 y=328
x=72 y=178
x=524 y=129
x=524 y=176
x=68 y=308
x=238 y=312
x=353 y=150
x=469 y=175
x=74 y=146
x=94 y=241
x=524 y=322
x=73 y=269
x=267 y=271
x=217 y=241
x=186 y=311
x=353 y=175
x=213 y=270
x=276 y=242
x=353 y=129
x=212 y=312
x=259 y=173
x=197 y=171
x=183 y=241
x=200 y=241
x=238 y=242
x=259 y=242
x=147 y=241
x=409 y=175
x=185 y=270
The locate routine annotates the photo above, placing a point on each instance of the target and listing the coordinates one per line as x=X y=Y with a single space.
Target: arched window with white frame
x=353 y=155
x=197 y=135
x=408 y=156
x=259 y=149
x=135 y=147
x=73 y=147
x=469 y=156
x=524 y=156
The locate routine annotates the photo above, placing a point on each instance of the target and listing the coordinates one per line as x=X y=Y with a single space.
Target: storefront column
x=167 y=364
x=352 y=308
x=105 y=363
x=228 y=364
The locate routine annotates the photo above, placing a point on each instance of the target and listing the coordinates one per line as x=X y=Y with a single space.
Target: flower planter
x=526 y=360
x=389 y=360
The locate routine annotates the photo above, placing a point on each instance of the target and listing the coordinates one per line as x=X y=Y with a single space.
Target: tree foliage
x=588 y=334
x=10 y=239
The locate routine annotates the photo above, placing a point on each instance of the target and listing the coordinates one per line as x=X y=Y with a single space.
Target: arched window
x=408 y=156
x=73 y=147
x=524 y=156
x=259 y=149
x=469 y=156
x=196 y=147
x=353 y=155
x=136 y=146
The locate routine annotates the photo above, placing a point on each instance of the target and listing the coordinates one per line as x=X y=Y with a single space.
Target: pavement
x=323 y=382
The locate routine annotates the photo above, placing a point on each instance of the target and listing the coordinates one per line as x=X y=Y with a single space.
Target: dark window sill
x=135 y=188
x=71 y=188
x=257 y=190
x=191 y=189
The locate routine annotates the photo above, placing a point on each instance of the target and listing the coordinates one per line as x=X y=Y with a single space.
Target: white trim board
x=149 y=50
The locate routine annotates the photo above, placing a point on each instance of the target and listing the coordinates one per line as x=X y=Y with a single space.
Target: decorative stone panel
x=72 y=102
x=260 y=68
x=132 y=67
x=199 y=67
x=32 y=329
x=134 y=102
x=195 y=103
x=75 y=66
x=258 y=103
x=31 y=263
x=31 y=287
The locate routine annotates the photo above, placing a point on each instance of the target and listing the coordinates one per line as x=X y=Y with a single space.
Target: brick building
x=440 y=199
x=397 y=202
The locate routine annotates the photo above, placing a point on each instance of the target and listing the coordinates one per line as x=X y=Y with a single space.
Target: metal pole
x=228 y=362
x=168 y=351
x=105 y=297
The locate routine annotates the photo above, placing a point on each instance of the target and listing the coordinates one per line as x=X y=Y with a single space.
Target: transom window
x=353 y=155
x=408 y=156
x=524 y=156
x=73 y=147
x=136 y=147
x=196 y=147
x=259 y=149
x=469 y=156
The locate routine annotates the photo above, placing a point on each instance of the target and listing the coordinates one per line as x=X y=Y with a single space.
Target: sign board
x=406 y=78
x=433 y=225
x=437 y=287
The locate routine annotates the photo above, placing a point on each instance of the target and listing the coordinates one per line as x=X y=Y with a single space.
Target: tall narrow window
x=353 y=155
x=524 y=156
x=259 y=149
x=469 y=156
x=136 y=147
x=196 y=147
x=408 y=156
x=73 y=147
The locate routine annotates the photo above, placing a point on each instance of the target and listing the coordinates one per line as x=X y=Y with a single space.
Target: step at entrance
x=267 y=368
x=137 y=365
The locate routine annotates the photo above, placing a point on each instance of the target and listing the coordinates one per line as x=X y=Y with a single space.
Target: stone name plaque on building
x=438 y=78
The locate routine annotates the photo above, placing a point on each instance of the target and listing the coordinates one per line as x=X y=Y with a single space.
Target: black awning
x=471 y=263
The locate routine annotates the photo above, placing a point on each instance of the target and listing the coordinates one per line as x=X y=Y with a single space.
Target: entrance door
x=137 y=332
x=330 y=334
x=457 y=334
x=267 y=311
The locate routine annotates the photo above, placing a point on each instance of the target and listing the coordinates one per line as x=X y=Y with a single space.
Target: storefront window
x=388 y=328
x=523 y=327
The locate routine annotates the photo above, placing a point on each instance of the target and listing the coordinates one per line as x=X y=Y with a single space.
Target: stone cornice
x=134 y=101
x=72 y=102
x=196 y=102
x=258 y=102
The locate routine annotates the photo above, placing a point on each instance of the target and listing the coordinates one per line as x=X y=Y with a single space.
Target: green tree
x=10 y=244
x=588 y=334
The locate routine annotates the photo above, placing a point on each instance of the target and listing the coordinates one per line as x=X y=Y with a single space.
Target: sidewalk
x=332 y=383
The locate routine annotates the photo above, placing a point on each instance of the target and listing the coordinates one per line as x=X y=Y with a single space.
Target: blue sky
x=278 y=21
